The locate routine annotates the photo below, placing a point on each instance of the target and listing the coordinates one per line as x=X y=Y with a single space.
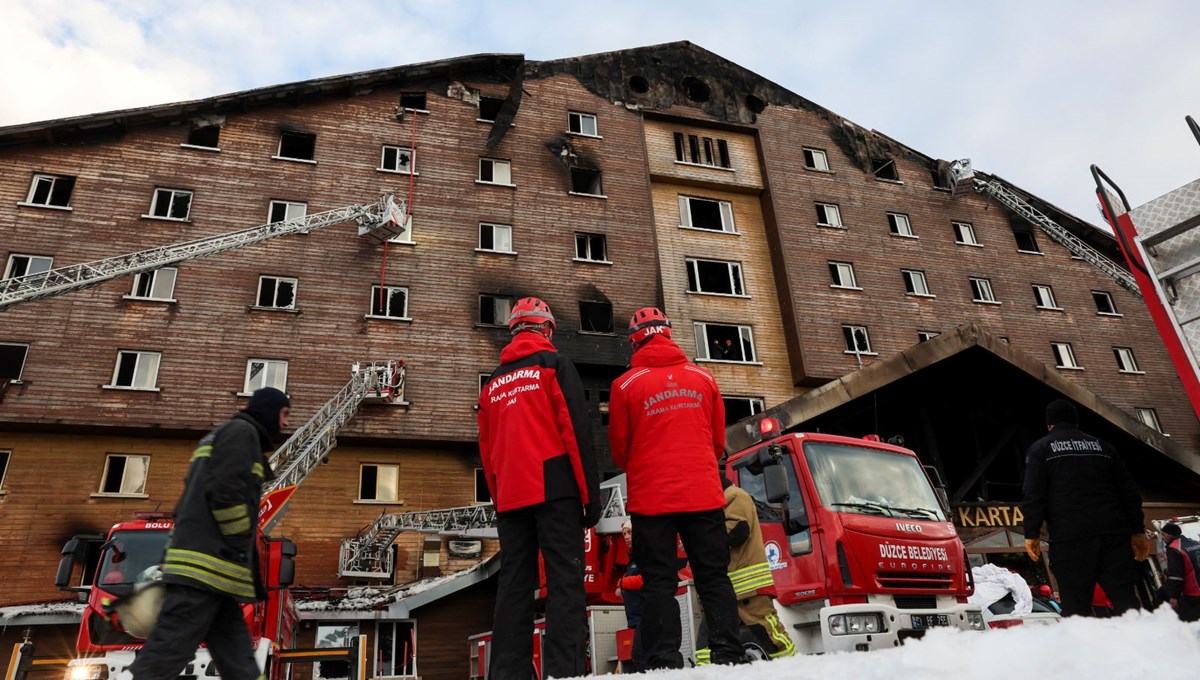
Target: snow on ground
x=1150 y=645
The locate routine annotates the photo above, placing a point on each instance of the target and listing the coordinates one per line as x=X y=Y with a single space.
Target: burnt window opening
x=494 y=309
x=679 y=152
x=857 y=340
x=715 y=277
x=1104 y=303
x=639 y=84
x=298 y=145
x=755 y=104
x=1026 y=241
x=702 y=150
x=591 y=247
x=595 y=317
x=702 y=213
x=412 y=100
x=739 y=408
x=207 y=136
x=489 y=108
x=51 y=190
x=885 y=168
x=12 y=360
x=696 y=90
x=482 y=493
x=586 y=181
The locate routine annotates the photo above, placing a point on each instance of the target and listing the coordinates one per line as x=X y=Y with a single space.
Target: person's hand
x=1033 y=548
x=1142 y=547
x=591 y=514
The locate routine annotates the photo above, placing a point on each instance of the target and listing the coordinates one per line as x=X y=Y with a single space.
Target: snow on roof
x=367 y=598
x=42 y=613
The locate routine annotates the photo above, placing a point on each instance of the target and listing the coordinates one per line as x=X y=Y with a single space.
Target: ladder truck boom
x=378 y=221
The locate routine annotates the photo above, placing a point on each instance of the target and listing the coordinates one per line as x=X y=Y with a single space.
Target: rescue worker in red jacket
x=1183 y=573
x=667 y=430
x=535 y=439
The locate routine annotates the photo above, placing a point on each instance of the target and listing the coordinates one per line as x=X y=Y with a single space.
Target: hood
x=264 y=407
x=525 y=344
x=658 y=351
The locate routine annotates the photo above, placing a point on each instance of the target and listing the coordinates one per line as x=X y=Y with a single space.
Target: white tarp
x=992 y=583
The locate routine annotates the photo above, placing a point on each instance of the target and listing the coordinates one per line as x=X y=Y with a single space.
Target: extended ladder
x=964 y=176
x=378 y=221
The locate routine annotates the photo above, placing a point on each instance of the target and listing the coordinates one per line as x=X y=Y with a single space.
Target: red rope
x=412 y=172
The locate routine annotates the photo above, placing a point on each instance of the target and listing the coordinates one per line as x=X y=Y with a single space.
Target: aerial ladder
x=378 y=221
x=1161 y=242
x=965 y=179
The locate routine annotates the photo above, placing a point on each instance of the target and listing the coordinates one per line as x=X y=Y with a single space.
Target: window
x=737 y=408
x=12 y=360
x=494 y=171
x=396 y=648
x=378 y=482
x=482 y=493
x=489 y=108
x=586 y=181
x=495 y=238
x=401 y=159
x=914 y=283
x=276 y=292
x=297 y=146
x=591 y=247
x=27 y=265
x=582 y=124
x=981 y=291
x=171 y=204
x=334 y=634
x=751 y=479
x=136 y=370
x=124 y=475
x=265 y=373
x=206 y=136
x=858 y=341
x=483 y=380
x=1125 y=361
x=815 y=159
x=156 y=285
x=595 y=317
x=900 y=225
x=389 y=301
x=407 y=236
x=414 y=101
x=704 y=213
x=1026 y=243
x=1104 y=303
x=922 y=336
x=828 y=215
x=4 y=456
x=1043 y=297
x=286 y=210
x=964 y=233
x=715 y=277
x=1064 y=355
x=51 y=190
x=1148 y=416
x=720 y=342
x=842 y=274
x=494 y=310
x=701 y=150
x=885 y=169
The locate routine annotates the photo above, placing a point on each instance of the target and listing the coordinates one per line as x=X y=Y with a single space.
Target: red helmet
x=646 y=322
x=531 y=314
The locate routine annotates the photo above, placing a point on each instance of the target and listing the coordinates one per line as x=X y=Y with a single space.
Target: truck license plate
x=923 y=621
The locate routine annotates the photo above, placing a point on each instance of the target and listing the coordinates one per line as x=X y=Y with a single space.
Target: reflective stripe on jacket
x=749 y=571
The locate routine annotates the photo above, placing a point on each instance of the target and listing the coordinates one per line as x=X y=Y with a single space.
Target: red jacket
x=667 y=429
x=535 y=436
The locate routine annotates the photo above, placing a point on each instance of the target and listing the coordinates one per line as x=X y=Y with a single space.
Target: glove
x=1033 y=548
x=591 y=514
x=1142 y=547
x=631 y=582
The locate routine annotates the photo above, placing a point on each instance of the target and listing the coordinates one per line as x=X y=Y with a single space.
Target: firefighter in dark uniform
x=1077 y=485
x=535 y=441
x=667 y=430
x=211 y=564
x=1183 y=573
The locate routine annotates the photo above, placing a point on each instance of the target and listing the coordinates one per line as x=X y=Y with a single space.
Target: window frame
x=480 y=482
x=926 y=336
x=101 y=493
x=375 y=288
x=190 y=144
x=8 y=269
x=174 y=194
x=494 y=226
x=836 y=265
x=1032 y=237
x=503 y=323
x=968 y=229
x=138 y=356
x=407 y=237
x=895 y=219
x=838 y=223
x=847 y=337
x=757 y=404
x=287 y=208
x=154 y=281
x=1126 y=361
x=597 y=181
x=379 y=636
x=5 y=463
x=700 y=151
x=399 y=151
x=735 y=281
x=978 y=285
x=268 y=365
x=1138 y=411
x=808 y=152
x=745 y=334
x=724 y=209
x=395 y=468
x=1111 y=303
x=611 y=318
x=1038 y=290
x=493 y=161
x=1064 y=356
x=54 y=180
x=258 y=293
x=499 y=103
x=297 y=159
x=24 y=360
x=587 y=242
x=911 y=277
x=580 y=116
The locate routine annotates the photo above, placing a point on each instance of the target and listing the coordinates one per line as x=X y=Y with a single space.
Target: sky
x=1032 y=91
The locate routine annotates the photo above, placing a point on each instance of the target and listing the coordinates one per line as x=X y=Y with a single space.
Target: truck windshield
x=863 y=481
x=130 y=557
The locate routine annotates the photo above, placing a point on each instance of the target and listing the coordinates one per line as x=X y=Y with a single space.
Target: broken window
x=815 y=159
x=900 y=225
x=721 y=342
x=715 y=277
x=413 y=101
x=885 y=168
x=494 y=309
x=207 y=136
x=582 y=124
x=156 y=285
x=389 y=301
x=1043 y=297
x=1125 y=361
x=402 y=159
x=124 y=475
x=1104 y=303
x=27 y=265
x=171 y=204
x=922 y=336
x=489 y=108
x=701 y=150
x=136 y=370
x=495 y=171
x=591 y=247
x=4 y=456
x=276 y=292
x=1026 y=242
x=964 y=233
x=842 y=274
x=738 y=408
x=595 y=317
x=12 y=360
x=704 y=213
x=828 y=215
x=857 y=340
x=586 y=181
x=265 y=373
x=378 y=482
x=51 y=191
x=981 y=290
x=1148 y=416
x=914 y=283
x=482 y=493
x=1064 y=355
x=495 y=238
x=286 y=210
x=297 y=146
